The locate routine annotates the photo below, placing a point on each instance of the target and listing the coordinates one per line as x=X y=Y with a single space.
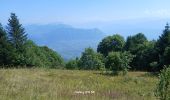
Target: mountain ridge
x=65 y=39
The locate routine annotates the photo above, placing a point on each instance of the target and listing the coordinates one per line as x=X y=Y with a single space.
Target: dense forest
x=135 y=53
x=16 y=50
x=114 y=53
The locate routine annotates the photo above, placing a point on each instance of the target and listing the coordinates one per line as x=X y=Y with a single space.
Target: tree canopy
x=16 y=50
x=91 y=60
x=111 y=43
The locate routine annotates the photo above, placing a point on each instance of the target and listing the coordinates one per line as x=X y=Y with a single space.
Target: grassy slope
x=42 y=84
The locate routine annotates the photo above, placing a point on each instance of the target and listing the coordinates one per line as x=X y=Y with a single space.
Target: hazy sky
x=83 y=11
x=111 y=16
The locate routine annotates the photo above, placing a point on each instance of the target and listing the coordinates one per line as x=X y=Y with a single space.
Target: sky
x=102 y=14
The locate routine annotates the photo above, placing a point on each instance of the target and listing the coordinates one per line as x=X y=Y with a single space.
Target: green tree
x=4 y=48
x=139 y=46
x=161 y=46
x=16 y=33
x=53 y=59
x=111 y=43
x=17 y=38
x=133 y=43
x=91 y=60
x=164 y=40
x=144 y=56
x=41 y=56
x=163 y=87
x=73 y=64
x=118 y=61
x=166 y=56
x=36 y=58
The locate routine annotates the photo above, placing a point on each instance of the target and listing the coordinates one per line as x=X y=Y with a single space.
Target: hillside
x=65 y=39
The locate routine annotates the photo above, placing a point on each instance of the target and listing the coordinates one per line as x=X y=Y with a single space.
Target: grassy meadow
x=51 y=84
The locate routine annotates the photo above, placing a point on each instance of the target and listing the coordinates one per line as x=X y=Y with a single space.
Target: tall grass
x=51 y=84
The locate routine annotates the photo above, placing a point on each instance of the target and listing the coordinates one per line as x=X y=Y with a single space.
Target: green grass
x=51 y=84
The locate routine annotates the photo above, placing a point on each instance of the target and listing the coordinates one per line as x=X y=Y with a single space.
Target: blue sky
x=87 y=13
x=83 y=11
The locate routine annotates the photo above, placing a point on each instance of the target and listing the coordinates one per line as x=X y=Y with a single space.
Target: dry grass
x=50 y=84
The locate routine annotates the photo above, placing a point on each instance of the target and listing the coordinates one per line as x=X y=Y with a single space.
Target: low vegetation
x=51 y=84
x=163 y=87
x=118 y=61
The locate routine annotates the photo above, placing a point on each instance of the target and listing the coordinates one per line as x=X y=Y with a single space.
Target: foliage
x=162 y=47
x=16 y=50
x=166 y=56
x=16 y=33
x=17 y=38
x=143 y=50
x=73 y=64
x=164 y=40
x=163 y=87
x=144 y=56
x=53 y=59
x=42 y=56
x=133 y=43
x=111 y=43
x=6 y=49
x=3 y=45
x=118 y=61
x=154 y=66
x=91 y=60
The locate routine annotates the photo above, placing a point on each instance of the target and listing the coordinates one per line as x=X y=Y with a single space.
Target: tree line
x=114 y=53
x=136 y=53
x=16 y=50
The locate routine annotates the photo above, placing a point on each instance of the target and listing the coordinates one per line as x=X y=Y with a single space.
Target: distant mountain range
x=66 y=40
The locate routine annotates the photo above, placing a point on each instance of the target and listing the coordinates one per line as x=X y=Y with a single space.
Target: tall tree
x=111 y=43
x=161 y=47
x=133 y=43
x=139 y=46
x=164 y=40
x=16 y=33
x=17 y=38
x=3 y=46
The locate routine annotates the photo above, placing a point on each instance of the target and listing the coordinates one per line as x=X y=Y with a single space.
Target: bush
x=118 y=61
x=91 y=60
x=72 y=64
x=42 y=56
x=163 y=87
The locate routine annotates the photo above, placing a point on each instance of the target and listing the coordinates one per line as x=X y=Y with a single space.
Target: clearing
x=51 y=84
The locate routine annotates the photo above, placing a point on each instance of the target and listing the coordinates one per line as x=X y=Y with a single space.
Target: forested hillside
x=16 y=50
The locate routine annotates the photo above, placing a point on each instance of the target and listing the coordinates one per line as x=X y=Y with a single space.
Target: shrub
x=72 y=64
x=163 y=87
x=91 y=60
x=118 y=61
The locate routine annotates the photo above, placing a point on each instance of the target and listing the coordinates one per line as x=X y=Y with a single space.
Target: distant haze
x=86 y=22
x=126 y=17
x=68 y=41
